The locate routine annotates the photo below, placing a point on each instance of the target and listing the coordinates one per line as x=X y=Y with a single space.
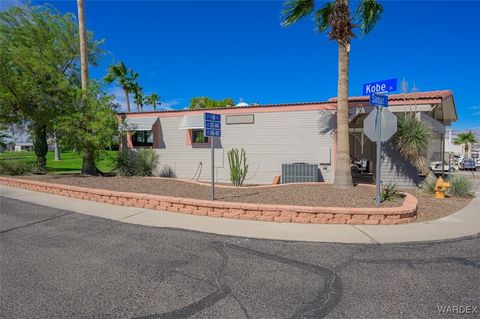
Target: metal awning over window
x=192 y=122
x=138 y=124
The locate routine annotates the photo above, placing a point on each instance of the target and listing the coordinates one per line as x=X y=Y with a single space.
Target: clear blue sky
x=238 y=49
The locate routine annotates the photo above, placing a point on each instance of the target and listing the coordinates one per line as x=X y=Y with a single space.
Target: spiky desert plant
x=147 y=161
x=411 y=140
x=389 y=192
x=460 y=186
x=238 y=166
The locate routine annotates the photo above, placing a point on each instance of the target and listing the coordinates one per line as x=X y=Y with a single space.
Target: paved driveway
x=58 y=264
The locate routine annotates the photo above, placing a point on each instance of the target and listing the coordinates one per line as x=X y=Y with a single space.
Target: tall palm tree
x=335 y=17
x=138 y=97
x=466 y=139
x=125 y=77
x=153 y=99
x=88 y=160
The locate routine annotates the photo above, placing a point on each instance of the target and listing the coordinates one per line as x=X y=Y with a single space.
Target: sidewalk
x=466 y=222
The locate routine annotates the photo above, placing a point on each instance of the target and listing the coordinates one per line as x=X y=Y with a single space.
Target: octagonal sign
x=388 y=125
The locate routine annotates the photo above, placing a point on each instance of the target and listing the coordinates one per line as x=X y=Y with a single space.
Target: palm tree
x=138 y=97
x=88 y=160
x=467 y=139
x=335 y=17
x=125 y=77
x=153 y=99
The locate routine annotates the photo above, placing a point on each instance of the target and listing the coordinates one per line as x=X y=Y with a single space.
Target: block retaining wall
x=259 y=212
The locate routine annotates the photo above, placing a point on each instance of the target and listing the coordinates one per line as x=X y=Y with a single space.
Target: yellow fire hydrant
x=440 y=187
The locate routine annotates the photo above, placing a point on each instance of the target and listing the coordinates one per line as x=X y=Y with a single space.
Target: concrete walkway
x=466 y=222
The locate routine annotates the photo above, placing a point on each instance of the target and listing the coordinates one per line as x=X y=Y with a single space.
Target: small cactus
x=238 y=166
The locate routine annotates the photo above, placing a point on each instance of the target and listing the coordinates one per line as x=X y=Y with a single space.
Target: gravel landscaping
x=305 y=195
x=430 y=208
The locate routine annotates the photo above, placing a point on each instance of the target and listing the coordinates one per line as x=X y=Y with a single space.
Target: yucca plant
x=126 y=163
x=389 y=192
x=428 y=185
x=411 y=140
x=460 y=186
x=169 y=172
x=238 y=166
x=147 y=161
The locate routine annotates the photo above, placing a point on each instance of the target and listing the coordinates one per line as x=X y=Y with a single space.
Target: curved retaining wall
x=260 y=212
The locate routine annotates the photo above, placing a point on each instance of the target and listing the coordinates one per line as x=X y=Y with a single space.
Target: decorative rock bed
x=248 y=211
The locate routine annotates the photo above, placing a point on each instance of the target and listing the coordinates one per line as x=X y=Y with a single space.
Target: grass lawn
x=71 y=162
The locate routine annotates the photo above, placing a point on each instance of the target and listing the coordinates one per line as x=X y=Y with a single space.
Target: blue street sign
x=380 y=86
x=379 y=100
x=213 y=133
x=212 y=117
x=213 y=125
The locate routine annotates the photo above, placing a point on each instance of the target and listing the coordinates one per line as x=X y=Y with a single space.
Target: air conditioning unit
x=299 y=173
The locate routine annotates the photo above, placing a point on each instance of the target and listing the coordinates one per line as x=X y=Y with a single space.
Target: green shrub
x=389 y=192
x=238 y=166
x=428 y=185
x=126 y=163
x=460 y=186
x=16 y=167
x=168 y=171
x=147 y=161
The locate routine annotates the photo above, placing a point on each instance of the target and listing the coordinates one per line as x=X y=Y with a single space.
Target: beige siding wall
x=274 y=139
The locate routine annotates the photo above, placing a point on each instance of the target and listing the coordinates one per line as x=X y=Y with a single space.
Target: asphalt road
x=58 y=264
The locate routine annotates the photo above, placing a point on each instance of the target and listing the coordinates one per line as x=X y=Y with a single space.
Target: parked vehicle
x=437 y=166
x=359 y=166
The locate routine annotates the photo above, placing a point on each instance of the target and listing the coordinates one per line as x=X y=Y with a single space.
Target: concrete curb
x=245 y=211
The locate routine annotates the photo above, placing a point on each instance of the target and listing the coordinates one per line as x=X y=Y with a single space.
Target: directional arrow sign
x=388 y=125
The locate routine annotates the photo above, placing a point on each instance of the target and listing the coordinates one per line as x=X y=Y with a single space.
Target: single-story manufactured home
x=276 y=134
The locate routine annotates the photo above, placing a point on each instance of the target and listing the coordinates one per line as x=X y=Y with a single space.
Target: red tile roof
x=394 y=97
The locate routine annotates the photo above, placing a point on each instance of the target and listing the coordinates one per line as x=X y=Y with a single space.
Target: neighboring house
x=21 y=146
x=277 y=134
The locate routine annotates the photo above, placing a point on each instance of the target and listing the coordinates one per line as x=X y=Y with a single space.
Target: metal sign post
x=212 y=129
x=378 y=125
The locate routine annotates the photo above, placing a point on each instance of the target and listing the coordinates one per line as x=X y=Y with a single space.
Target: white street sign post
x=213 y=129
x=379 y=126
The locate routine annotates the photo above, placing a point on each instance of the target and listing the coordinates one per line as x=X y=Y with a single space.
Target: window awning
x=191 y=122
x=138 y=124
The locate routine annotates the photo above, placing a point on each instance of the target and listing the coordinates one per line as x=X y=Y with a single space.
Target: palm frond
x=294 y=10
x=323 y=16
x=368 y=13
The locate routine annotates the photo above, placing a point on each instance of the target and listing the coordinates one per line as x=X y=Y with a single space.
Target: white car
x=437 y=166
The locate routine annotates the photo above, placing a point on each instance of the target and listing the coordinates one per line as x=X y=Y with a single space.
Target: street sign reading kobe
x=388 y=125
x=380 y=86
x=213 y=125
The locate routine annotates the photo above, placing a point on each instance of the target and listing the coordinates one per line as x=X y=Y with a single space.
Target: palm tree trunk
x=56 y=146
x=343 y=175
x=127 y=100
x=88 y=164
